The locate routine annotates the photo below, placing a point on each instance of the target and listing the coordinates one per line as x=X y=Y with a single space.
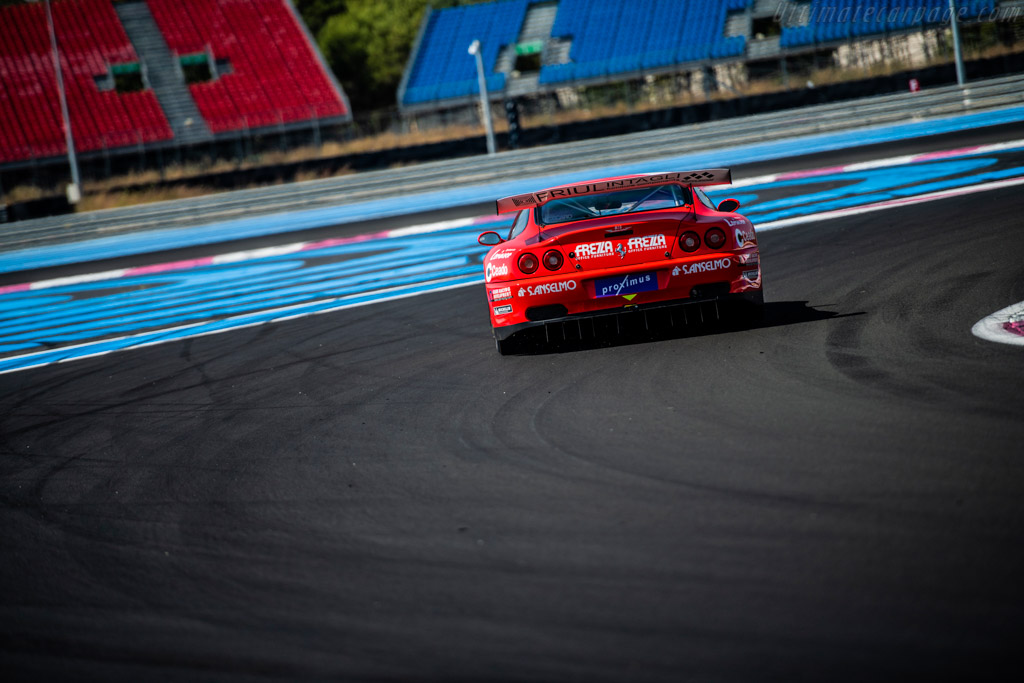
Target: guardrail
x=566 y=157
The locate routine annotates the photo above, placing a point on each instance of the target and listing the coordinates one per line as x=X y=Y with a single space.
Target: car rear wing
x=711 y=176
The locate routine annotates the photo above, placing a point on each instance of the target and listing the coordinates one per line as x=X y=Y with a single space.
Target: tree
x=368 y=45
x=316 y=12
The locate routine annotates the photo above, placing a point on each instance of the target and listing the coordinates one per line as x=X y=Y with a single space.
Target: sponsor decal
x=628 y=284
x=634 y=245
x=701 y=267
x=697 y=177
x=492 y=271
x=501 y=294
x=503 y=254
x=593 y=250
x=733 y=222
x=648 y=243
x=503 y=310
x=744 y=237
x=548 y=288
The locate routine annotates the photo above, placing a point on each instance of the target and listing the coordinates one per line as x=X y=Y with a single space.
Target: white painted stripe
x=283 y=315
x=246 y=255
x=436 y=227
x=991 y=327
x=79 y=279
x=890 y=204
x=258 y=253
x=884 y=163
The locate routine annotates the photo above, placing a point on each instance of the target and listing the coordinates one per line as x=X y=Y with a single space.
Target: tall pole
x=74 y=192
x=956 y=43
x=474 y=49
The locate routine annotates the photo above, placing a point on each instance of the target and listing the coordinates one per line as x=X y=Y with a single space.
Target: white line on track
x=279 y=315
x=890 y=204
x=237 y=256
x=881 y=163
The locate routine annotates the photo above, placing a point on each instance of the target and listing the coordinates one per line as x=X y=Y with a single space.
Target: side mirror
x=728 y=205
x=490 y=238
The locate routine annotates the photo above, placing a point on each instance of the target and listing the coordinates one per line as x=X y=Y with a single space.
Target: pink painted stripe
x=928 y=156
x=903 y=201
x=16 y=288
x=165 y=267
x=793 y=175
x=946 y=154
x=338 y=241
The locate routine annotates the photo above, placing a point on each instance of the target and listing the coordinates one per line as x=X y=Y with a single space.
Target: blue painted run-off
x=257 y=226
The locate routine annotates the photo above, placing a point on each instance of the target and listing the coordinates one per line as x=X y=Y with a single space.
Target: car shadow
x=661 y=325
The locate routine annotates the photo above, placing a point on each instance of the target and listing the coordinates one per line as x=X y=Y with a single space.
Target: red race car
x=603 y=247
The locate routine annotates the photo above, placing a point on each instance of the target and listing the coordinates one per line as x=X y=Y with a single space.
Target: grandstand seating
x=275 y=76
x=91 y=39
x=443 y=68
x=609 y=37
x=837 y=20
x=626 y=35
x=613 y=37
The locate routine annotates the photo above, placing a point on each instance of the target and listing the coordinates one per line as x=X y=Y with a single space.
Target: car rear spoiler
x=711 y=176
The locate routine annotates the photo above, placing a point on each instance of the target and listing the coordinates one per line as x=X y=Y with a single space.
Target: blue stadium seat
x=620 y=36
x=834 y=21
x=442 y=62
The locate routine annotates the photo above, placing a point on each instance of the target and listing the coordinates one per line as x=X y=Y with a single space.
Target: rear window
x=615 y=203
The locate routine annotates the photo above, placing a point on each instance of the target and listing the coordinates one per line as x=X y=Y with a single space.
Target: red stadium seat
x=91 y=38
x=275 y=78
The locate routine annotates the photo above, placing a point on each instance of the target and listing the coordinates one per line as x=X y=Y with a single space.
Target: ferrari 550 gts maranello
x=599 y=248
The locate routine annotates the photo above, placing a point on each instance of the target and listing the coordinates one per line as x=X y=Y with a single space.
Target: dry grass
x=26 y=193
x=117 y=199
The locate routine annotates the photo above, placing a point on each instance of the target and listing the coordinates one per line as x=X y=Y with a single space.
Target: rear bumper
x=531 y=302
x=754 y=297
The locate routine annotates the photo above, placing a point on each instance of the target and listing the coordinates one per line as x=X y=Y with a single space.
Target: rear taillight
x=552 y=259
x=689 y=241
x=714 y=238
x=528 y=263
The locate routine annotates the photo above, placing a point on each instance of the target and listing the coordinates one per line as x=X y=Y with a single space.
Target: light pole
x=474 y=49
x=956 y=43
x=74 y=191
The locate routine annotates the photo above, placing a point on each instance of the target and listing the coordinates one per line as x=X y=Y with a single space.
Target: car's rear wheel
x=753 y=311
x=506 y=346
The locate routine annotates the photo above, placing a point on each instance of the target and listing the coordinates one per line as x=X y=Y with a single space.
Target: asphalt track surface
x=375 y=494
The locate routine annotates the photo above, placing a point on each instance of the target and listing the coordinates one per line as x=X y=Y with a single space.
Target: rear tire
x=753 y=311
x=505 y=346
